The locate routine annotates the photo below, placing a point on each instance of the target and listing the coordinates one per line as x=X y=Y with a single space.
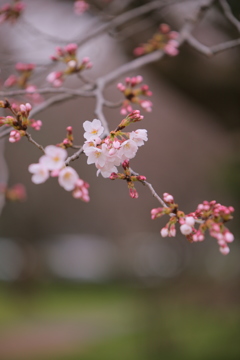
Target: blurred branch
x=228 y=14
x=215 y=49
x=32 y=29
x=77 y=92
x=125 y=17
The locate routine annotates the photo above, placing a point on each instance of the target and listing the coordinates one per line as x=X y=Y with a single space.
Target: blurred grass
x=188 y=321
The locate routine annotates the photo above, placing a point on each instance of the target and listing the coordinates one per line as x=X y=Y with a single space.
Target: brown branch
x=29 y=137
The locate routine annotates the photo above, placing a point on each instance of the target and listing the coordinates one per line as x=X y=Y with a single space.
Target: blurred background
x=95 y=280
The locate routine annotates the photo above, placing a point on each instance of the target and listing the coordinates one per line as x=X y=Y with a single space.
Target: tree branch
x=29 y=137
x=229 y=15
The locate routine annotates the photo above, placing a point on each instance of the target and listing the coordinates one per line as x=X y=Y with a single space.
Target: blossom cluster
x=164 y=39
x=209 y=215
x=117 y=147
x=11 y=12
x=133 y=93
x=67 y=55
x=20 y=121
x=68 y=141
x=25 y=71
x=22 y=81
x=53 y=164
x=15 y=193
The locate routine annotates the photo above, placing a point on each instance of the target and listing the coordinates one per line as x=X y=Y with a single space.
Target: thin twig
x=48 y=90
x=29 y=137
x=75 y=156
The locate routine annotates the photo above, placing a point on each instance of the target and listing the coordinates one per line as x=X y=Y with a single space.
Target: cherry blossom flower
x=40 y=172
x=68 y=178
x=129 y=149
x=139 y=136
x=109 y=153
x=54 y=157
x=92 y=128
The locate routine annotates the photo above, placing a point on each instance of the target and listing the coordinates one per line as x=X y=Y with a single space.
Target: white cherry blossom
x=54 y=157
x=92 y=128
x=40 y=173
x=128 y=149
x=68 y=178
x=139 y=136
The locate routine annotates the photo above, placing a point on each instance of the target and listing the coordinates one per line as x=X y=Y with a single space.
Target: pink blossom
x=133 y=193
x=68 y=178
x=24 y=67
x=11 y=80
x=54 y=157
x=81 y=190
x=129 y=149
x=185 y=229
x=189 y=220
x=36 y=124
x=164 y=232
x=40 y=172
x=168 y=198
x=71 y=48
x=224 y=250
x=55 y=78
x=80 y=7
x=146 y=105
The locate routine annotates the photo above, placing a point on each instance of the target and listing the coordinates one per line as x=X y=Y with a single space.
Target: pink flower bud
x=125 y=164
x=189 y=220
x=113 y=176
x=168 y=198
x=71 y=48
x=133 y=193
x=164 y=28
x=224 y=250
x=141 y=178
x=28 y=107
x=164 y=232
x=14 y=136
x=22 y=108
x=138 y=51
x=229 y=237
